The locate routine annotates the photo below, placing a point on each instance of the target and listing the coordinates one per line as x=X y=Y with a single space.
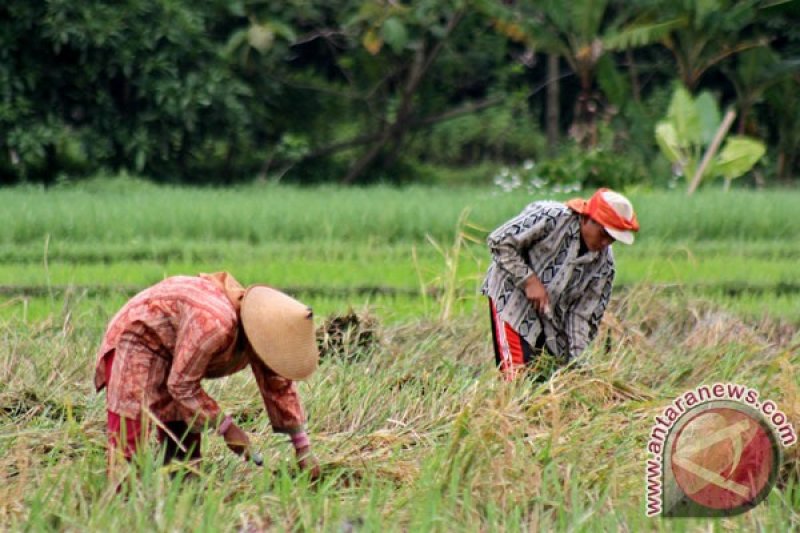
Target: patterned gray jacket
x=545 y=240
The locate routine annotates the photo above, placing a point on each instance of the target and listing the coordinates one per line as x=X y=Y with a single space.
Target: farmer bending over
x=169 y=337
x=551 y=275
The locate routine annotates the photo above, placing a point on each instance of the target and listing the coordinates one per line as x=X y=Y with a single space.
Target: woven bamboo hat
x=281 y=331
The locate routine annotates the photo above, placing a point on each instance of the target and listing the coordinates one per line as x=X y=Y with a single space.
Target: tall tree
x=406 y=32
x=784 y=104
x=389 y=69
x=136 y=84
x=582 y=32
x=700 y=34
x=756 y=71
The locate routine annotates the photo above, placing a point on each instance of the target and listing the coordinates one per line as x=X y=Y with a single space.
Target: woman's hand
x=238 y=441
x=536 y=293
x=308 y=462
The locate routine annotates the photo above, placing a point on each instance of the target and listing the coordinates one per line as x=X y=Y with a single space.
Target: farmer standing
x=166 y=339
x=551 y=276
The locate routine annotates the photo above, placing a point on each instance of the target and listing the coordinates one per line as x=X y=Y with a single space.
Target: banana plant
x=783 y=101
x=688 y=132
x=582 y=33
x=700 y=34
x=756 y=71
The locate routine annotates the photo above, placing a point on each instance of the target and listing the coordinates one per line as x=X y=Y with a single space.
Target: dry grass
x=415 y=433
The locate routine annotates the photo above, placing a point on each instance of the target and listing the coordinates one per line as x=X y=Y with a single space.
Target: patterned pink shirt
x=168 y=338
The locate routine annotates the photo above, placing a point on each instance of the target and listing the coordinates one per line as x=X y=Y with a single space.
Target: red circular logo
x=723 y=459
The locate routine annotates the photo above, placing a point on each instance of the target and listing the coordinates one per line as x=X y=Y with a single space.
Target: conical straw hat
x=281 y=331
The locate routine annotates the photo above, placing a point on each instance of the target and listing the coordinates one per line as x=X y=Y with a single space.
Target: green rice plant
x=270 y=213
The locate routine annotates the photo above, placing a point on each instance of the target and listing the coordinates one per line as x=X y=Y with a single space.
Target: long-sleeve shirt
x=172 y=335
x=544 y=240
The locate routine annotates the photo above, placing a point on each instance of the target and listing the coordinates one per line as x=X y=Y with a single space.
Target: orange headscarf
x=601 y=212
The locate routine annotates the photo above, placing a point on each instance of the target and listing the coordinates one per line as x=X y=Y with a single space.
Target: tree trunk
x=744 y=117
x=553 y=102
x=789 y=158
x=584 y=124
x=395 y=131
x=50 y=166
x=366 y=159
x=634 y=75
x=781 y=164
x=584 y=127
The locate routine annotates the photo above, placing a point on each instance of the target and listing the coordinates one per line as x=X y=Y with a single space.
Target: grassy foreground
x=415 y=432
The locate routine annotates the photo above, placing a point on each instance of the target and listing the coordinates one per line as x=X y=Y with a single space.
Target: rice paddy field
x=413 y=428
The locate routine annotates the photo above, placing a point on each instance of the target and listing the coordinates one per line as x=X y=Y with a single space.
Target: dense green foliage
x=138 y=84
x=357 y=91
